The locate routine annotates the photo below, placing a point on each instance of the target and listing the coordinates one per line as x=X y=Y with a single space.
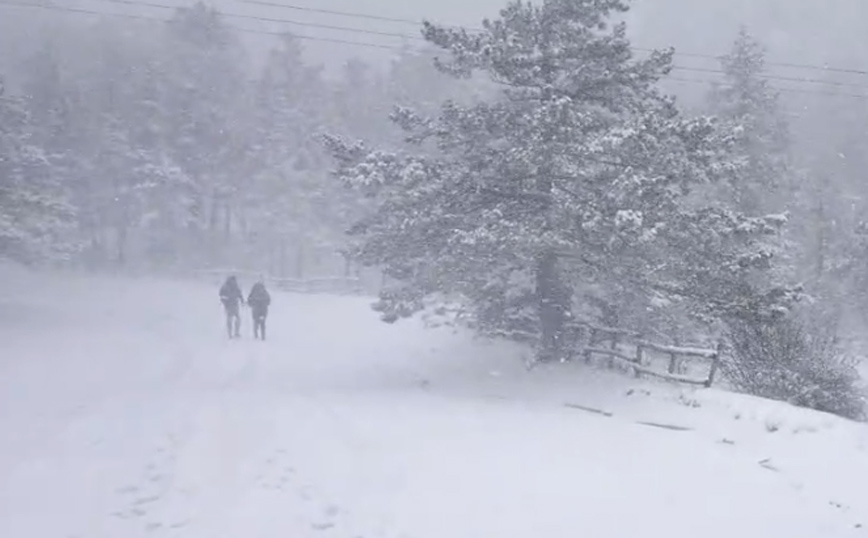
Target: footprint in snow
x=331 y=512
x=276 y=474
x=146 y=500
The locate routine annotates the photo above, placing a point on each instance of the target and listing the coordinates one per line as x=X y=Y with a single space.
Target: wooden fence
x=611 y=343
x=330 y=284
x=339 y=285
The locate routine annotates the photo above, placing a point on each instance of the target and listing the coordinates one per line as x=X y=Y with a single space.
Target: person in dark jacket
x=259 y=300
x=232 y=299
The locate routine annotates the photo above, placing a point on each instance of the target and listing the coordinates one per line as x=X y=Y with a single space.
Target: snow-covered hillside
x=125 y=412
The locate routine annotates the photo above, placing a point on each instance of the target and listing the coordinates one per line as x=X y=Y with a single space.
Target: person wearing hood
x=259 y=301
x=232 y=299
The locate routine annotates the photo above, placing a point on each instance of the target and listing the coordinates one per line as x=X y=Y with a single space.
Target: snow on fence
x=638 y=359
x=331 y=284
x=340 y=285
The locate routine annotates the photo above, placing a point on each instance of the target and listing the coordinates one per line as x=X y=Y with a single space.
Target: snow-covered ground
x=125 y=412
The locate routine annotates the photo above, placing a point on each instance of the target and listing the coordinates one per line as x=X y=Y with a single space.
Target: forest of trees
x=525 y=174
x=149 y=145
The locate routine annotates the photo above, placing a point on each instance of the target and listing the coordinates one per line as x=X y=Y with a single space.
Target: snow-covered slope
x=125 y=412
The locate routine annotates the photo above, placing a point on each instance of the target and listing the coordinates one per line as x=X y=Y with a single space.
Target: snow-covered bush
x=794 y=359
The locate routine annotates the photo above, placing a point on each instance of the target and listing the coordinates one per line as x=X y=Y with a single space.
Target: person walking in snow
x=232 y=299
x=259 y=300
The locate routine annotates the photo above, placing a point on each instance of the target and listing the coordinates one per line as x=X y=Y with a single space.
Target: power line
x=46 y=7
x=419 y=22
x=82 y=11
x=862 y=96
x=411 y=37
x=334 y=12
x=395 y=48
x=142 y=3
x=776 y=77
x=273 y=19
x=825 y=69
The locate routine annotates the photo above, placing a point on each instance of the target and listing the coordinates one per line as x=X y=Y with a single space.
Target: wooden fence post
x=715 y=364
x=613 y=346
x=639 y=359
x=673 y=359
x=591 y=341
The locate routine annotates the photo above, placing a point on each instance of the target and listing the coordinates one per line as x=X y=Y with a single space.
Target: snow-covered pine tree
x=34 y=216
x=163 y=191
x=95 y=99
x=204 y=98
x=793 y=357
x=359 y=103
x=830 y=202
x=579 y=165
x=765 y=179
x=493 y=206
x=292 y=210
x=413 y=81
x=745 y=100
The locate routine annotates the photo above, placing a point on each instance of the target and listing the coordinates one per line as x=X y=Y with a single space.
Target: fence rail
x=328 y=284
x=344 y=285
x=616 y=338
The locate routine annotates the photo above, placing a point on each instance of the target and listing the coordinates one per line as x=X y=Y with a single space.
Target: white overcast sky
x=797 y=31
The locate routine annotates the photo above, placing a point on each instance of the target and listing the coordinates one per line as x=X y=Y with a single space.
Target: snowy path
x=124 y=412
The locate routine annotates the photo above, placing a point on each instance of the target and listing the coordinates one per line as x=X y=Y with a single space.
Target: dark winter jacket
x=259 y=299
x=230 y=294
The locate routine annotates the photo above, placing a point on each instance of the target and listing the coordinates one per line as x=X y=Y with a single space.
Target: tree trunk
x=282 y=256
x=552 y=307
x=245 y=229
x=213 y=223
x=550 y=291
x=121 y=247
x=227 y=223
x=95 y=253
x=820 y=261
x=213 y=217
x=299 y=260
x=552 y=296
x=348 y=265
